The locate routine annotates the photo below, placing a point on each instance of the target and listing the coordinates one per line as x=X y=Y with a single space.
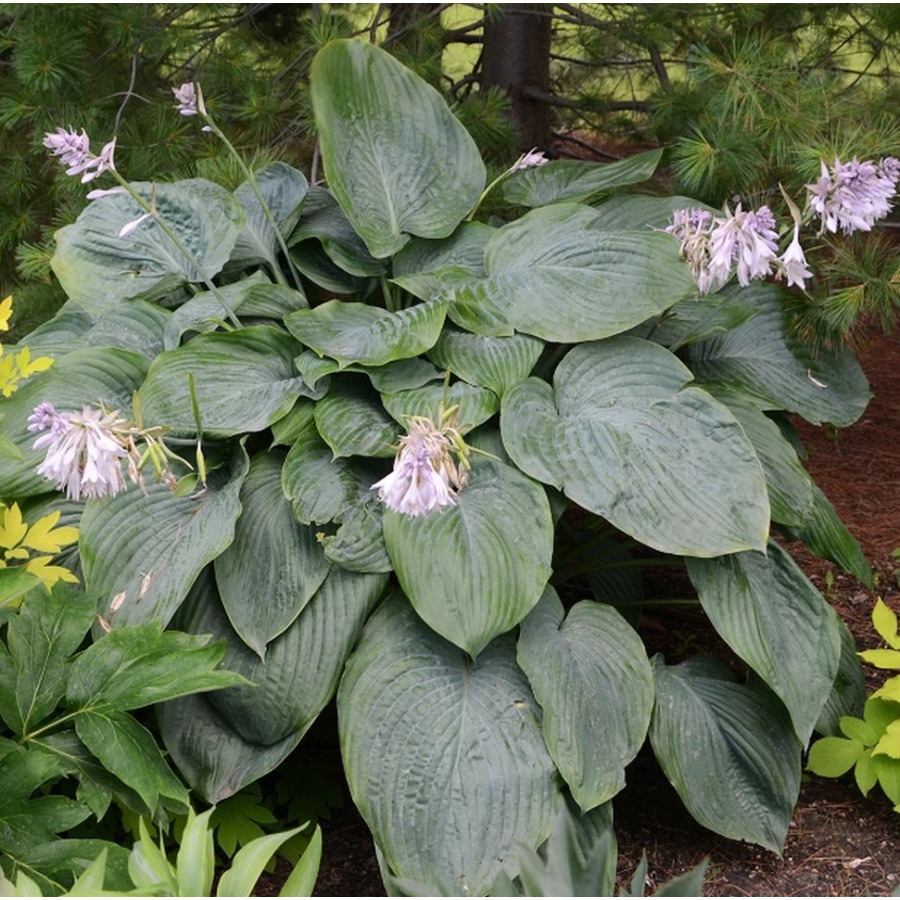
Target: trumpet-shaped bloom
x=74 y=152
x=792 y=263
x=853 y=196
x=745 y=240
x=530 y=160
x=420 y=480
x=83 y=451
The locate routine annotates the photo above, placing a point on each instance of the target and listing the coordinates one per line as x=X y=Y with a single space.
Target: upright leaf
x=397 y=160
x=275 y=564
x=777 y=622
x=591 y=676
x=444 y=756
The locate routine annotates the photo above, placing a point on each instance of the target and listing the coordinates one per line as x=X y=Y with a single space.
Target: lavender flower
x=792 y=263
x=74 y=152
x=190 y=101
x=530 y=160
x=853 y=196
x=692 y=228
x=420 y=480
x=747 y=239
x=83 y=451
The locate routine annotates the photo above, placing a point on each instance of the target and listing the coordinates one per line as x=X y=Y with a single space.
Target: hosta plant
x=429 y=456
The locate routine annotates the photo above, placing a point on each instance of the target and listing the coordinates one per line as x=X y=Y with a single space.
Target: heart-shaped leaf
x=444 y=756
x=623 y=434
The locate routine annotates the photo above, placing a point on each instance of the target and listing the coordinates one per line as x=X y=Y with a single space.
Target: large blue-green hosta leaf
x=283 y=190
x=577 y=180
x=244 y=381
x=759 y=358
x=557 y=275
x=591 y=676
x=624 y=434
x=475 y=569
x=81 y=378
x=397 y=160
x=768 y=612
x=98 y=269
x=275 y=564
x=300 y=673
x=729 y=750
x=444 y=756
x=356 y=333
x=142 y=552
x=135 y=326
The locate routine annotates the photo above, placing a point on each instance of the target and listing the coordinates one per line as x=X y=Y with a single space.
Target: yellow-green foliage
x=27 y=546
x=870 y=745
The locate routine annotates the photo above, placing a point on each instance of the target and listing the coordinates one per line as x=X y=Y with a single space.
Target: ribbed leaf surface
x=623 y=434
x=474 y=570
x=444 y=756
x=398 y=161
x=728 y=749
x=591 y=676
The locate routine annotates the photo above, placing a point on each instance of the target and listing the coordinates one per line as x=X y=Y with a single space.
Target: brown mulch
x=839 y=844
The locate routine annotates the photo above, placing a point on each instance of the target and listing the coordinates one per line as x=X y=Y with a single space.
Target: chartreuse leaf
x=708 y=731
x=555 y=275
x=78 y=379
x=576 y=180
x=398 y=161
x=444 y=755
x=882 y=659
x=142 y=551
x=591 y=676
x=98 y=269
x=283 y=190
x=274 y=565
x=758 y=357
x=195 y=863
x=831 y=757
x=494 y=363
x=623 y=434
x=41 y=638
x=241 y=877
x=885 y=621
x=357 y=333
x=245 y=380
x=474 y=570
x=769 y=613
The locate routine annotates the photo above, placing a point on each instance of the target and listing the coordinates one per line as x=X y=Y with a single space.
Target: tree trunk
x=517 y=58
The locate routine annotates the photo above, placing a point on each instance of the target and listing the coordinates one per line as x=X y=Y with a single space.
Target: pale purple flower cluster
x=424 y=477
x=83 y=451
x=74 y=152
x=745 y=243
x=190 y=101
x=853 y=196
x=530 y=160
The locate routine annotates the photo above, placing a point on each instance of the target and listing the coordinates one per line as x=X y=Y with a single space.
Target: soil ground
x=839 y=844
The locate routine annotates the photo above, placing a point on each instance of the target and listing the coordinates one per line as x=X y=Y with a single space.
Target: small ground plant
x=419 y=461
